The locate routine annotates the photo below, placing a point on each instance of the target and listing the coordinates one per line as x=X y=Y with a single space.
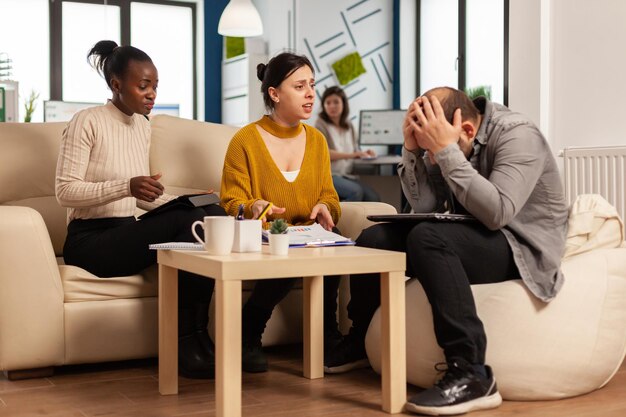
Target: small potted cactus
x=278 y=237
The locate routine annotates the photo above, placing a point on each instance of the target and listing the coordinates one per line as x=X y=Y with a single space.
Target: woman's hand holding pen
x=146 y=188
x=321 y=214
x=259 y=205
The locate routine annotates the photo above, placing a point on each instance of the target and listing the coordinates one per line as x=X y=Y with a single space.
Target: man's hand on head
x=430 y=128
x=410 y=143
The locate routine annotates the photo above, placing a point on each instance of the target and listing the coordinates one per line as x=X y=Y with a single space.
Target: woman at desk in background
x=341 y=137
x=278 y=159
x=103 y=174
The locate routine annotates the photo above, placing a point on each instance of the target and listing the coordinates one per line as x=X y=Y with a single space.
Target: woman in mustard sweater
x=277 y=159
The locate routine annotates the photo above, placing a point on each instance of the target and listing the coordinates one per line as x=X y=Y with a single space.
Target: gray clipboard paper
x=420 y=217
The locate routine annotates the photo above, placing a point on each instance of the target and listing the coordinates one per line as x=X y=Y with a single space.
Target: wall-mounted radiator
x=596 y=170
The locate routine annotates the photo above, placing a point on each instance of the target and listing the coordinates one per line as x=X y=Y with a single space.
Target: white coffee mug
x=219 y=233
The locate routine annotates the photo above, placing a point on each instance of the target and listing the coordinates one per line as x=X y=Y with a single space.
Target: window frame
x=56 y=39
x=461 y=53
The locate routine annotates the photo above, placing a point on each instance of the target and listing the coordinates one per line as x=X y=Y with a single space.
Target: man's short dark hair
x=452 y=99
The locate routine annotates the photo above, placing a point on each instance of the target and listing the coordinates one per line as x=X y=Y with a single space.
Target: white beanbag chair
x=569 y=346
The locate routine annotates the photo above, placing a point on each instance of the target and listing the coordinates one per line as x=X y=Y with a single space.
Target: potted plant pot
x=279 y=244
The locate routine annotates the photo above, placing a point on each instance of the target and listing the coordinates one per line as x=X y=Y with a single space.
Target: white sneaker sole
x=482 y=403
x=362 y=363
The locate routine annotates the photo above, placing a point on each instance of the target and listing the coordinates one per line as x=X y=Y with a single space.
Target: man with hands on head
x=480 y=158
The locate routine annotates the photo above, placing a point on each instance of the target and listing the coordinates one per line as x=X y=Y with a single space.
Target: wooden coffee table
x=310 y=263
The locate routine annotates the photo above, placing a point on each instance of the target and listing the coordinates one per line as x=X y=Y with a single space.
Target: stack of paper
x=312 y=236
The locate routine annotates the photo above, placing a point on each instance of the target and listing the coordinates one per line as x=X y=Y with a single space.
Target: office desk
x=380 y=174
x=380 y=160
x=311 y=263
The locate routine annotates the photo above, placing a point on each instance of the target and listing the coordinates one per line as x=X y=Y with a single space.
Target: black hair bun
x=260 y=71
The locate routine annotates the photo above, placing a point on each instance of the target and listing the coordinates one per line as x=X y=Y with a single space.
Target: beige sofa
x=53 y=314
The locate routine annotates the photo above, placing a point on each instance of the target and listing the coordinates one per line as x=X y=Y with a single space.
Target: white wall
x=588 y=90
x=568 y=69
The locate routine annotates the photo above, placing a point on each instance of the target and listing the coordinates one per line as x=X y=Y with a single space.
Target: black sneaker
x=349 y=354
x=460 y=391
x=253 y=358
x=332 y=339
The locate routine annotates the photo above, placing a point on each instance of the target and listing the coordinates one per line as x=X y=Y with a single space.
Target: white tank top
x=290 y=175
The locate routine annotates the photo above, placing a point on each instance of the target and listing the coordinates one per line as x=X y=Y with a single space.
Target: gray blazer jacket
x=515 y=187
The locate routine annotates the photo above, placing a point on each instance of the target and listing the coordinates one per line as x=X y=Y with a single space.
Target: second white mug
x=219 y=233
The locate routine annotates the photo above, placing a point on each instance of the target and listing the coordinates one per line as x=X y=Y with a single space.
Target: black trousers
x=446 y=257
x=113 y=247
x=267 y=293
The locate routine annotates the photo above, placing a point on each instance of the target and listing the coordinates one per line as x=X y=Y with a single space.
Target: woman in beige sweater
x=103 y=175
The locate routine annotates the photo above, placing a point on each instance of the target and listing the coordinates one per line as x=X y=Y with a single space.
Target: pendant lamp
x=240 y=19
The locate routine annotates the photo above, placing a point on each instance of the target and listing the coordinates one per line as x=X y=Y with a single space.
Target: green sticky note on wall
x=348 y=68
x=234 y=46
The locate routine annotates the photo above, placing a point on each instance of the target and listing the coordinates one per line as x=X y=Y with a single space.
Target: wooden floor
x=131 y=389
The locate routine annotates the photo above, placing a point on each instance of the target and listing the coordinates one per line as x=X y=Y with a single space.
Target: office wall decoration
x=348 y=68
x=234 y=46
x=328 y=30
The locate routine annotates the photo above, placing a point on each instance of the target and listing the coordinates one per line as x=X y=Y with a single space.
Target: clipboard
x=420 y=217
x=187 y=200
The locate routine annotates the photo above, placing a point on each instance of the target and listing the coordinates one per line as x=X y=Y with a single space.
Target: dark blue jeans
x=447 y=258
x=352 y=190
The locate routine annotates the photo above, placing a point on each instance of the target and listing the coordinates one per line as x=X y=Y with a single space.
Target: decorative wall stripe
x=382 y=62
x=348 y=28
x=323 y=78
x=357 y=93
x=351 y=83
x=306 y=43
x=375 y=49
x=356 y=4
x=332 y=50
x=329 y=39
x=378 y=74
x=234 y=97
x=366 y=16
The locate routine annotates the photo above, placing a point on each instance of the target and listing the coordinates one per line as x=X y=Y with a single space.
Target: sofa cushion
x=80 y=285
x=194 y=160
x=27 y=170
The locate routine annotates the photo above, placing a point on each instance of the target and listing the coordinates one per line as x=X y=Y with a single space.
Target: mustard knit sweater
x=250 y=174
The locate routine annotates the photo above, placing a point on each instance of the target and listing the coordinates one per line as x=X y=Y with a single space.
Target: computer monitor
x=381 y=127
x=62 y=111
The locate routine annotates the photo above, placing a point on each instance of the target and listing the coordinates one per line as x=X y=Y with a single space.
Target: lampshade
x=241 y=19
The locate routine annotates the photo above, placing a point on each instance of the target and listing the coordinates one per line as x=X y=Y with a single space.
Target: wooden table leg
x=313 y=326
x=168 y=330
x=228 y=348
x=393 y=340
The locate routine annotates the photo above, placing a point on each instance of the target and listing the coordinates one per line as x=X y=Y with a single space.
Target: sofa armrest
x=31 y=293
x=354 y=216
